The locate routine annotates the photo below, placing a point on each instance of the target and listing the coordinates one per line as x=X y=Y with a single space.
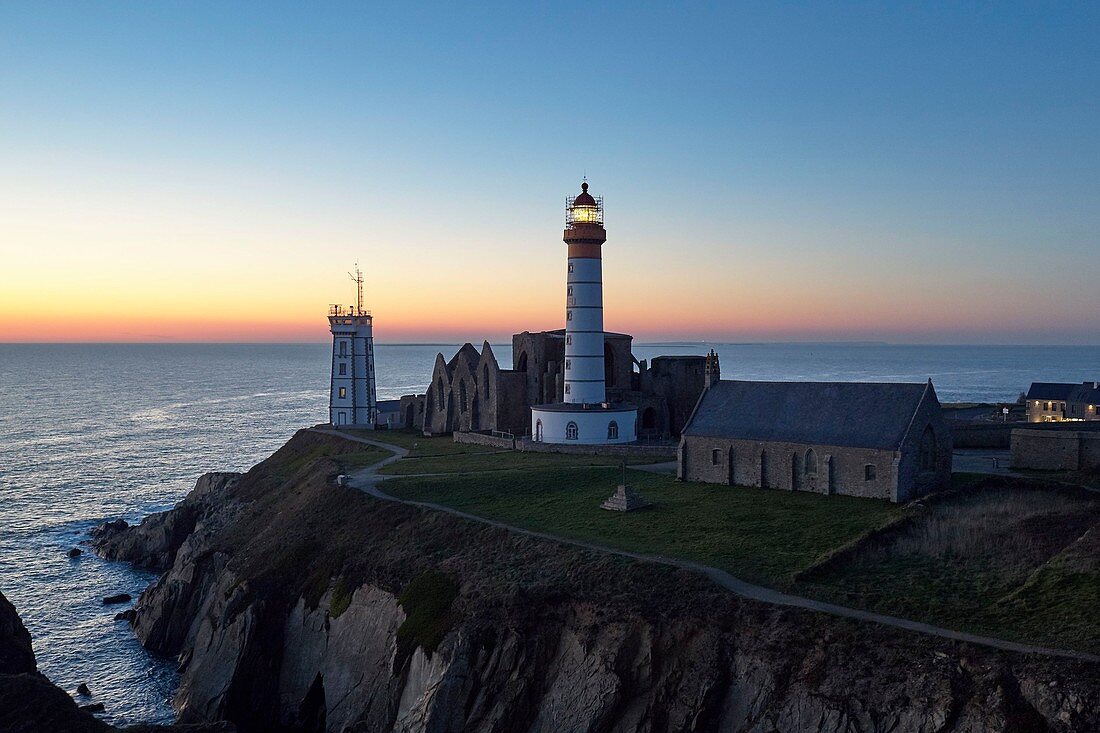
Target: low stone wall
x=666 y=451
x=486 y=439
x=1056 y=450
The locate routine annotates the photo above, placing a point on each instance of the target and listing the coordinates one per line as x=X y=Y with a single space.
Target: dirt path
x=367 y=480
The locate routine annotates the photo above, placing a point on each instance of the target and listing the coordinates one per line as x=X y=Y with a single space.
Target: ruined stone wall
x=678 y=380
x=412 y=406
x=839 y=470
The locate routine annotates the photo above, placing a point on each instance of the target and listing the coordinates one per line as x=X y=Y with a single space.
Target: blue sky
x=898 y=171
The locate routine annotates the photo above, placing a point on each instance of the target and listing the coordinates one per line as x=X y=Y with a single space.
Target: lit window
x=869 y=472
x=571 y=431
x=343 y=392
x=613 y=430
x=343 y=369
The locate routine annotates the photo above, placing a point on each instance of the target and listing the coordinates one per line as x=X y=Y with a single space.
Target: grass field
x=1013 y=559
x=761 y=535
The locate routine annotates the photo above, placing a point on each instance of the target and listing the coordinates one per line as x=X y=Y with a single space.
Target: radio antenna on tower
x=358 y=279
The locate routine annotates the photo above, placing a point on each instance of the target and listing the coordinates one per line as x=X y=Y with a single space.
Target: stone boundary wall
x=485 y=439
x=1056 y=450
x=965 y=434
x=666 y=451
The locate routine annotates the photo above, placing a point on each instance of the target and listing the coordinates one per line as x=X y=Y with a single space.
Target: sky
x=211 y=171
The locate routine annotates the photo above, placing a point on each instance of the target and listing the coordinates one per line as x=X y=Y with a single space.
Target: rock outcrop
x=298 y=604
x=152 y=545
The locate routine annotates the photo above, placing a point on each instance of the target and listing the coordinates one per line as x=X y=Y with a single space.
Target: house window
x=869 y=472
x=714 y=455
x=343 y=392
x=571 y=431
x=343 y=369
x=613 y=430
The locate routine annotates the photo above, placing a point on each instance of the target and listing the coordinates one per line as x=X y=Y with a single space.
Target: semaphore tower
x=584 y=415
x=352 y=399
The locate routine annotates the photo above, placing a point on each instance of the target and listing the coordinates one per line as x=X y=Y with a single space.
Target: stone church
x=886 y=441
x=471 y=392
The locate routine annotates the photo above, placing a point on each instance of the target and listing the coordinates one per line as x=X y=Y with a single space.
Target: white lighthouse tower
x=352 y=401
x=584 y=416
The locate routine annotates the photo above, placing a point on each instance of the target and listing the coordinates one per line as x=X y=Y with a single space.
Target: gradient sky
x=210 y=171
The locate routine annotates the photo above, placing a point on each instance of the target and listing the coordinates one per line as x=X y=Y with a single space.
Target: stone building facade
x=884 y=441
x=1058 y=401
x=471 y=392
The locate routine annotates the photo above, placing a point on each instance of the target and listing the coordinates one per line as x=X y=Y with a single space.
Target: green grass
x=420 y=446
x=758 y=534
x=426 y=602
x=498 y=461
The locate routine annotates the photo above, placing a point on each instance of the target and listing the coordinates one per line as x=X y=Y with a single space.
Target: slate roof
x=1051 y=390
x=849 y=414
x=1071 y=392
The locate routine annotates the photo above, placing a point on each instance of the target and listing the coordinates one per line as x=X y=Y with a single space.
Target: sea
x=91 y=432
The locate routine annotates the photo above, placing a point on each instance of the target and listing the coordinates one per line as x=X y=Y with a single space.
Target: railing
x=583 y=214
x=341 y=311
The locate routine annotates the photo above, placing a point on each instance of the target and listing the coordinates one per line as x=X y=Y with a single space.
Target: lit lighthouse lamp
x=584 y=416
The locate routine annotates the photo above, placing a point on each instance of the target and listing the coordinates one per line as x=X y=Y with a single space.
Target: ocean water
x=95 y=432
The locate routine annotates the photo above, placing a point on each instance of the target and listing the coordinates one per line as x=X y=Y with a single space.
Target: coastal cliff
x=296 y=604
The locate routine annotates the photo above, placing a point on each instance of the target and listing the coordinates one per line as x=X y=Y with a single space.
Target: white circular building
x=585 y=417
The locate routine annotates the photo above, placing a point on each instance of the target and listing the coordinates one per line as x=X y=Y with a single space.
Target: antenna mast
x=358 y=279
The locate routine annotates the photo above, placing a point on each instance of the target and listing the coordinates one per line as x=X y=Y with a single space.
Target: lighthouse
x=584 y=416
x=352 y=398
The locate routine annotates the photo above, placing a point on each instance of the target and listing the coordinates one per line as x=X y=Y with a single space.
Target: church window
x=343 y=392
x=439 y=393
x=869 y=472
x=715 y=454
x=343 y=369
x=571 y=431
x=811 y=461
x=928 y=450
x=485 y=380
x=463 y=401
x=613 y=430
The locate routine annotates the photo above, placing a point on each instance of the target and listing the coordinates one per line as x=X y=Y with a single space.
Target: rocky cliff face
x=298 y=605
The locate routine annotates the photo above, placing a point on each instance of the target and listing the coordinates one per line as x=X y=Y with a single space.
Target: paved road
x=367 y=480
x=979 y=460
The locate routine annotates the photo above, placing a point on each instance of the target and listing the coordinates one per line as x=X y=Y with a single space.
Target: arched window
x=928 y=452
x=609 y=365
x=869 y=472
x=485 y=380
x=613 y=430
x=811 y=461
x=571 y=431
x=538 y=431
x=463 y=397
x=522 y=362
x=439 y=392
x=715 y=454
